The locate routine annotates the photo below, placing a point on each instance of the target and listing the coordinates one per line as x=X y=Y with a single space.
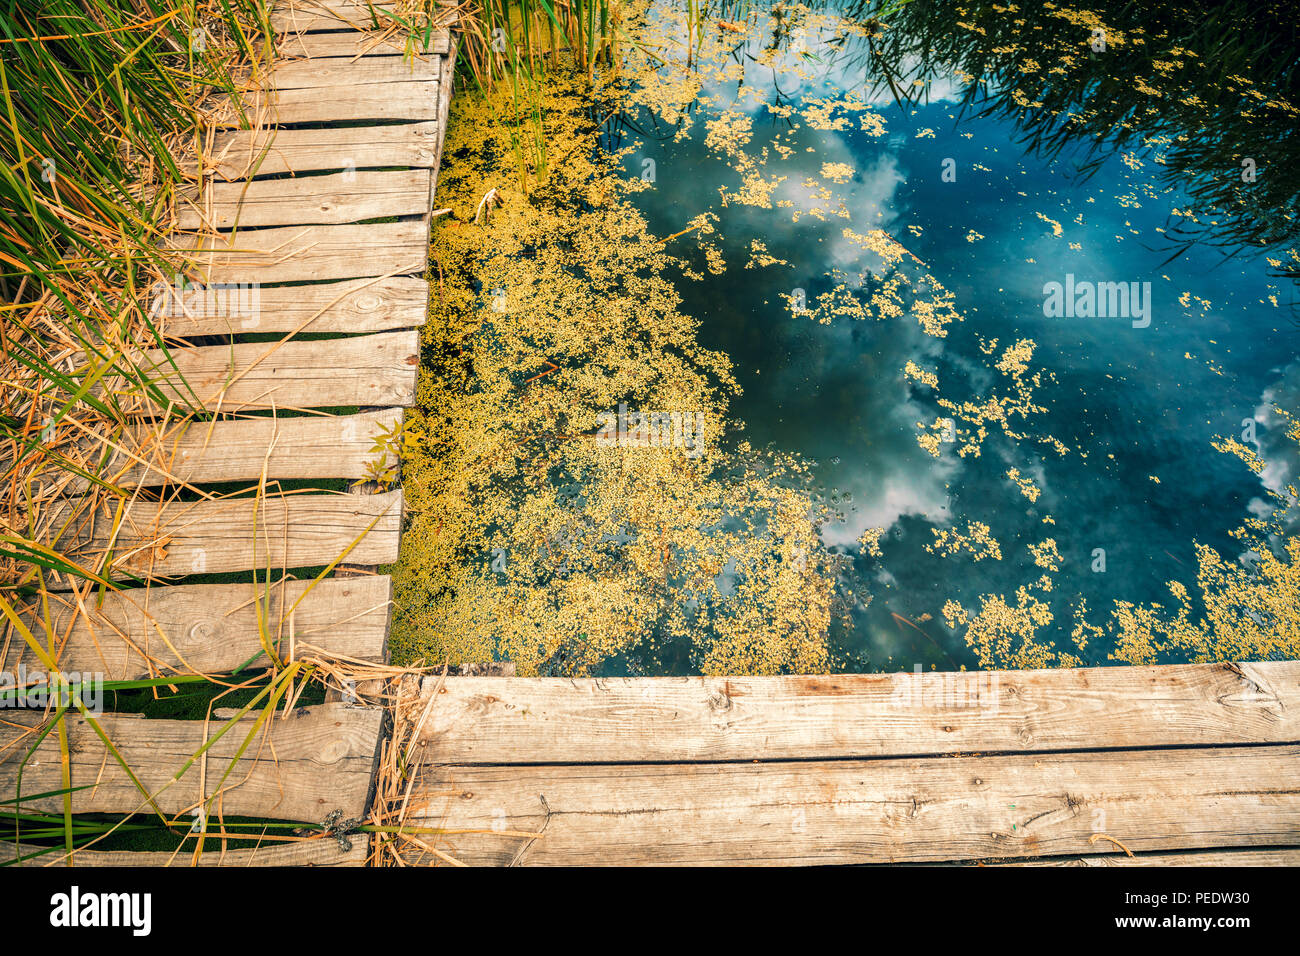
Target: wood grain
x=307 y=200
x=317 y=760
x=378 y=369
x=410 y=102
x=339 y=71
x=319 y=852
x=322 y=446
x=867 y=811
x=307 y=15
x=307 y=253
x=558 y=720
x=357 y=43
x=357 y=305
x=1196 y=858
x=236 y=154
x=236 y=534
x=208 y=628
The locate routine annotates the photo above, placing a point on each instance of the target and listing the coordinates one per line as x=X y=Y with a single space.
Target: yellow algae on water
x=533 y=539
x=1024 y=483
x=837 y=172
x=977 y=540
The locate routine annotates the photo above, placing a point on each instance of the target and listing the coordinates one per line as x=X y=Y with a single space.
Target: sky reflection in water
x=1131 y=403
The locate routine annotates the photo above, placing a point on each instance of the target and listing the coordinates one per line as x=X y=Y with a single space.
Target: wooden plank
x=268 y=152
x=169 y=539
x=324 y=851
x=309 y=253
x=1195 y=858
x=317 y=760
x=208 y=628
x=378 y=369
x=876 y=811
x=339 y=104
x=248 y=449
x=358 y=305
x=345 y=197
x=341 y=71
x=314 y=15
x=562 y=720
x=357 y=43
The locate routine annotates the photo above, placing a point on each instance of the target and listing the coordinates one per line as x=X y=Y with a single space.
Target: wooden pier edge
x=1179 y=765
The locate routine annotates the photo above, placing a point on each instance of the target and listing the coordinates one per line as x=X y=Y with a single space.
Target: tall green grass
x=500 y=39
x=99 y=102
x=100 y=107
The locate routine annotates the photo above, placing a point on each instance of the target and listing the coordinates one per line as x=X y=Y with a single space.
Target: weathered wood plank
x=245 y=450
x=209 y=628
x=356 y=43
x=1199 y=858
x=237 y=154
x=309 y=253
x=554 y=720
x=319 y=852
x=236 y=534
x=342 y=71
x=305 y=200
x=357 y=305
x=314 y=15
x=340 y=104
x=876 y=811
x=378 y=369
x=317 y=760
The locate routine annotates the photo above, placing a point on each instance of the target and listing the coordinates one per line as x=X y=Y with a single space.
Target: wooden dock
x=1195 y=764
x=315 y=201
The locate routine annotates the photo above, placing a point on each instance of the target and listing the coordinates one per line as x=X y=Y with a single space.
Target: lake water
x=1137 y=404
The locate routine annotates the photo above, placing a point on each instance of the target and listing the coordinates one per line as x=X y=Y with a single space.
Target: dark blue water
x=1132 y=405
